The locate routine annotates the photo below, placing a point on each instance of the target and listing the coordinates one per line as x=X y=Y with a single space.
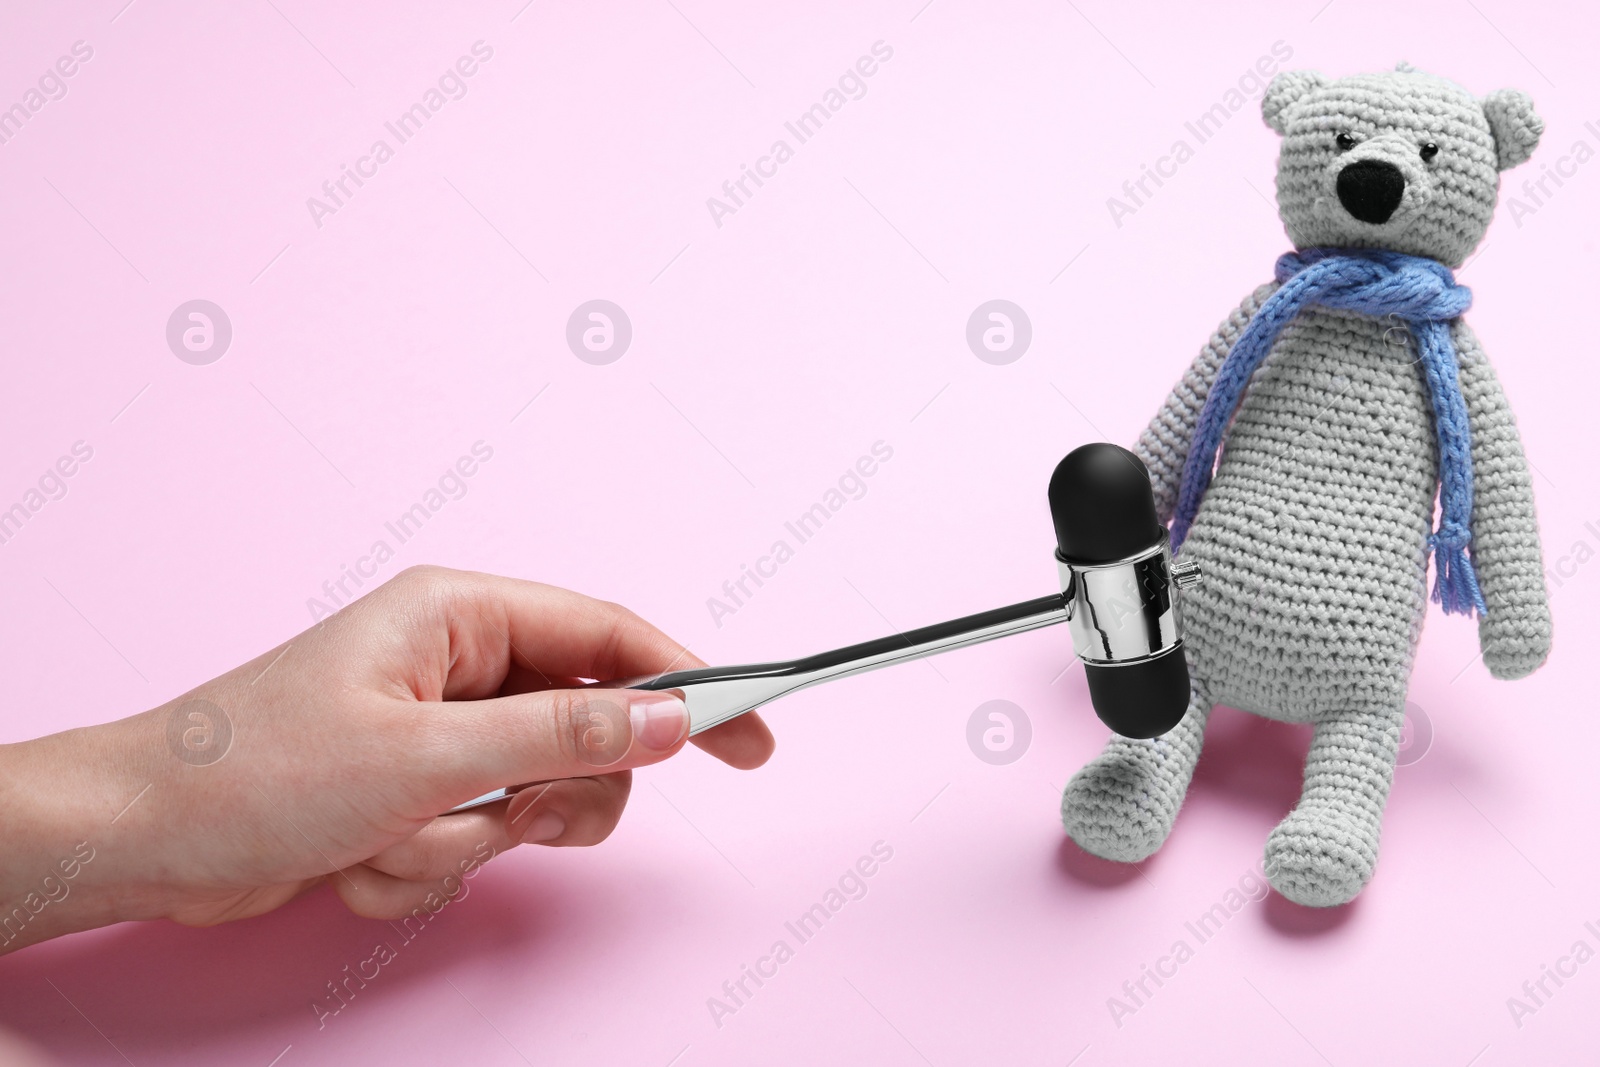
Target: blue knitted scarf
x=1423 y=294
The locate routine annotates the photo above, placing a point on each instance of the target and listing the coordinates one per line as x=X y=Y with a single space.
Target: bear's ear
x=1288 y=88
x=1515 y=125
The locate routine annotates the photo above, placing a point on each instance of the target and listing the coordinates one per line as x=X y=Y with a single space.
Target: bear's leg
x=1325 y=851
x=1121 y=805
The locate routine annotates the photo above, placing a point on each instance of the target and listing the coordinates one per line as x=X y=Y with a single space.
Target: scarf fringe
x=1455 y=586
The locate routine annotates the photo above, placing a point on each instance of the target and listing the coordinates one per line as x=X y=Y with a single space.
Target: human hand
x=330 y=758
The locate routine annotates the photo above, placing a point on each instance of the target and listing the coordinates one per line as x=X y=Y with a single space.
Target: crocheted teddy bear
x=1349 y=394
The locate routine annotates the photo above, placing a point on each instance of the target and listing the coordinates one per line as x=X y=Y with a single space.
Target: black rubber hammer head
x=1104 y=511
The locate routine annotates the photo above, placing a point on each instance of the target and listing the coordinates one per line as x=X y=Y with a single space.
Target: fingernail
x=546 y=826
x=659 y=720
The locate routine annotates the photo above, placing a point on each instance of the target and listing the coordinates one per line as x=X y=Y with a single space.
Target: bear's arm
x=1515 y=634
x=1164 y=445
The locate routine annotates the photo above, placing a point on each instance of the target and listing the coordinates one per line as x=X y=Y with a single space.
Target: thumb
x=556 y=733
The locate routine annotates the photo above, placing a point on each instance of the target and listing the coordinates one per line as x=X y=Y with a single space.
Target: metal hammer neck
x=717 y=694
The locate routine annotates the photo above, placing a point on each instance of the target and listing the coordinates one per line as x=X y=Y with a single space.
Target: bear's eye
x=1429 y=150
x=1345 y=141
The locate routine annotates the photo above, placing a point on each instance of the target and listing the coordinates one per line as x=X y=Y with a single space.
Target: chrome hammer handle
x=714 y=695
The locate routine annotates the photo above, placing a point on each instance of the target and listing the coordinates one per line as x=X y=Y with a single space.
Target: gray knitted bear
x=1313 y=533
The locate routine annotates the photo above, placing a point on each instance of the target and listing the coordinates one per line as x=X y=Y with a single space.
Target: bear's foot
x=1122 y=804
x=1321 y=857
x=1325 y=851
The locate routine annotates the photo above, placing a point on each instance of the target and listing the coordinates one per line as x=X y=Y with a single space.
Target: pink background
x=768 y=354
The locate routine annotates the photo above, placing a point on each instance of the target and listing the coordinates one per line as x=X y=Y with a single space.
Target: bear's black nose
x=1371 y=189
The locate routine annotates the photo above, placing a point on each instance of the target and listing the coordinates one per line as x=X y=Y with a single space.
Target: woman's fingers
x=479 y=628
x=372 y=894
x=442 y=846
x=744 y=743
x=569 y=811
x=572 y=811
x=463 y=749
x=487 y=654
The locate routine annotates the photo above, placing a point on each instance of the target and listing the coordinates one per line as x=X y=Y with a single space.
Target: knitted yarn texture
x=1423 y=294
